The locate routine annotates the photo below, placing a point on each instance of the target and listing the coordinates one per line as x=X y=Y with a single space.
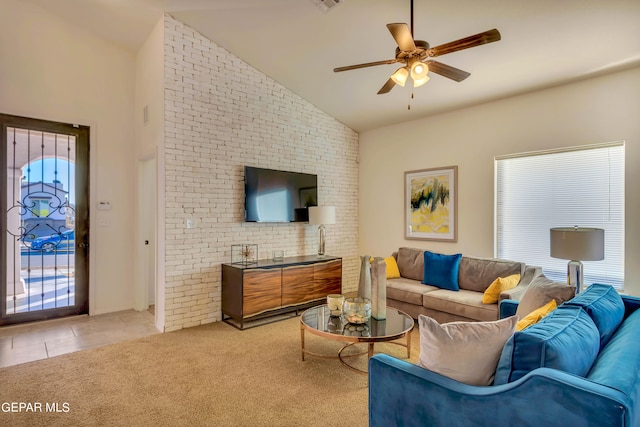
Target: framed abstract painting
x=431 y=204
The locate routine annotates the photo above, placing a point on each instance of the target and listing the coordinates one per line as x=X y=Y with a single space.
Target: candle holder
x=334 y=302
x=278 y=255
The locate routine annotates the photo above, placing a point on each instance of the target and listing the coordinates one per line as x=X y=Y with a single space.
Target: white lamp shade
x=400 y=76
x=322 y=215
x=420 y=82
x=578 y=244
x=419 y=70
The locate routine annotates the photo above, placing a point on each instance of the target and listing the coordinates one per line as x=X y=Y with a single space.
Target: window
x=581 y=186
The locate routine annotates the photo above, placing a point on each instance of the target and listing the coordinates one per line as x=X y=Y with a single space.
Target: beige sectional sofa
x=408 y=294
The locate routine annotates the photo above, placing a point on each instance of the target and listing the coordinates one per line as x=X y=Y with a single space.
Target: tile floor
x=40 y=340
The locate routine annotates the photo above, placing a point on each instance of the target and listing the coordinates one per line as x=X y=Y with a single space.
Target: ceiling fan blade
x=447 y=71
x=387 y=87
x=367 y=64
x=403 y=37
x=465 y=43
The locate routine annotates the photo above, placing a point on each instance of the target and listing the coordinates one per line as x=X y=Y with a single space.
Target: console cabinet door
x=261 y=290
x=298 y=284
x=327 y=277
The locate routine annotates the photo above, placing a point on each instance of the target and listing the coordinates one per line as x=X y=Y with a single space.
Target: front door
x=44 y=220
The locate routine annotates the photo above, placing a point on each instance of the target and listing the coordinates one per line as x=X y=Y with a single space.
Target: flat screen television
x=278 y=196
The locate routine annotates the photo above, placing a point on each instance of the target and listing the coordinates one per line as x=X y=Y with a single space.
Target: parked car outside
x=58 y=241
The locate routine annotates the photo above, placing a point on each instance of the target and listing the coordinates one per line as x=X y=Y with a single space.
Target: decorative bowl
x=357 y=310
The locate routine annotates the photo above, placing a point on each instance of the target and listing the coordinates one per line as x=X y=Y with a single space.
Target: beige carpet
x=212 y=375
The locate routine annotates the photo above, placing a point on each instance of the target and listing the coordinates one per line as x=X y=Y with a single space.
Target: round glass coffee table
x=318 y=321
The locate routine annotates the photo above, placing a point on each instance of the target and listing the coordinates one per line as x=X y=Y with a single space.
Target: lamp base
x=575 y=275
x=321 y=232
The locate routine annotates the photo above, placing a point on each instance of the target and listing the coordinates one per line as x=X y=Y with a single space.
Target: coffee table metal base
x=369 y=353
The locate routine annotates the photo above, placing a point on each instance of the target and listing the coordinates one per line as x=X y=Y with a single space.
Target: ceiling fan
x=415 y=54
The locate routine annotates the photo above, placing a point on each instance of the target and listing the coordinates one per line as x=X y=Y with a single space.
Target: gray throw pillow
x=464 y=351
x=411 y=263
x=540 y=292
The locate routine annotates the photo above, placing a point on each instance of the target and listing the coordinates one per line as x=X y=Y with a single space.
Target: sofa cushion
x=465 y=351
x=407 y=290
x=619 y=358
x=567 y=339
x=501 y=284
x=465 y=304
x=441 y=270
x=476 y=274
x=604 y=305
x=411 y=263
x=541 y=291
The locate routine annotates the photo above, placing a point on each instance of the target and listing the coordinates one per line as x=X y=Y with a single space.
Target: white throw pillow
x=465 y=351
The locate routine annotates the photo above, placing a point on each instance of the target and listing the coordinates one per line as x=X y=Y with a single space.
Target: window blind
x=581 y=186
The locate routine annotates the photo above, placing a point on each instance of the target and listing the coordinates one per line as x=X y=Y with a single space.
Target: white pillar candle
x=334 y=302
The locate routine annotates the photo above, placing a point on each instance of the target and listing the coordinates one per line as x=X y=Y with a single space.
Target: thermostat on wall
x=104 y=206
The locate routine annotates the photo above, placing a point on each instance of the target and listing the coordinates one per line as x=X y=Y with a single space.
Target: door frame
x=147 y=227
x=83 y=135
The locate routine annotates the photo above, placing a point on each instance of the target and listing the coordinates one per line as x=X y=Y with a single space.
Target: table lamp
x=321 y=216
x=577 y=244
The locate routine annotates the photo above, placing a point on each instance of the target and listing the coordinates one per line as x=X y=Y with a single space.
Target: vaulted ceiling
x=544 y=43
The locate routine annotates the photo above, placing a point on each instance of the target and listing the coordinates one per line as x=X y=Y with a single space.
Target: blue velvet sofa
x=578 y=366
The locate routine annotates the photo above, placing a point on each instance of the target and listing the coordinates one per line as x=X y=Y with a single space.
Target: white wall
x=149 y=92
x=601 y=109
x=51 y=70
x=222 y=114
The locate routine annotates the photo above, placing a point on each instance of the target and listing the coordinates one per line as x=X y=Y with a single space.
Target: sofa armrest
x=508 y=308
x=530 y=273
x=404 y=394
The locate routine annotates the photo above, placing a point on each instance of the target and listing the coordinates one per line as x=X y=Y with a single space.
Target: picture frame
x=431 y=204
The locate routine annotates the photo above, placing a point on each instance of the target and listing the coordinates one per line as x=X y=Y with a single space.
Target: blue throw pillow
x=605 y=307
x=567 y=340
x=441 y=270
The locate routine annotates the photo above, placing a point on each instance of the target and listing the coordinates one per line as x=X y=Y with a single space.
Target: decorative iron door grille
x=44 y=219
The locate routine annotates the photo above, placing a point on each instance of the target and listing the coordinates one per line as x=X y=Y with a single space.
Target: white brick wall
x=220 y=115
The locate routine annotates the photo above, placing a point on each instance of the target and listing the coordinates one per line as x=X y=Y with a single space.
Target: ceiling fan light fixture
x=400 y=76
x=419 y=71
x=420 y=82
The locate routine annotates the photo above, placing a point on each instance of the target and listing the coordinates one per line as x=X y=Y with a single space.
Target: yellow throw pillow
x=499 y=285
x=536 y=315
x=392 y=268
x=393 y=271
